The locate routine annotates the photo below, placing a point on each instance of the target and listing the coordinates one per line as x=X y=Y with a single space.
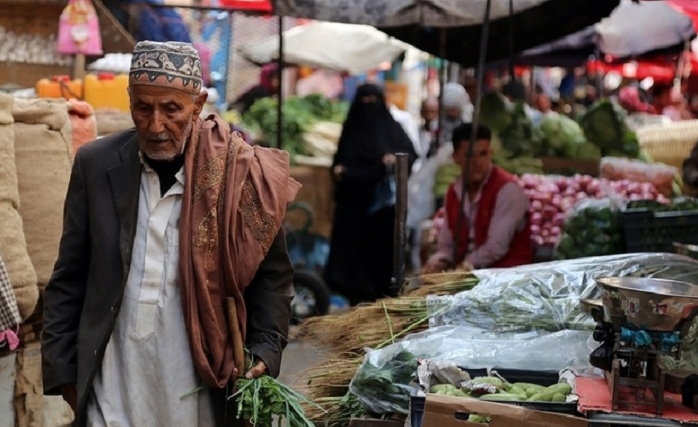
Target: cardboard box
x=368 y=422
x=449 y=411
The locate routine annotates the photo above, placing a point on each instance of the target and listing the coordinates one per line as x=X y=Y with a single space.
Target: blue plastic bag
x=385 y=193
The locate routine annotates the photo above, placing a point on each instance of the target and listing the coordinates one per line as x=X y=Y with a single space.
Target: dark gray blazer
x=83 y=296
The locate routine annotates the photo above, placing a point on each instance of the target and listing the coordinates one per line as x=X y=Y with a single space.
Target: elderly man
x=171 y=257
x=457 y=108
x=489 y=228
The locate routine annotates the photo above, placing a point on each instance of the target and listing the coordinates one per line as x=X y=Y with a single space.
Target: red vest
x=521 y=249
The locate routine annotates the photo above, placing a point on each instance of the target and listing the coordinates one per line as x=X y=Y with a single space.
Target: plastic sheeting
x=631 y=29
x=381 y=383
x=340 y=47
x=546 y=296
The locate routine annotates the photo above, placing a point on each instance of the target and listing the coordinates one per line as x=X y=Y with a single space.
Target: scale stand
x=654 y=382
x=637 y=368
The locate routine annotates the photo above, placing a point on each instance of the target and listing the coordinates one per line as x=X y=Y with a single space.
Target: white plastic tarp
x=636 y=28
x=631 y=29
x=340 y=47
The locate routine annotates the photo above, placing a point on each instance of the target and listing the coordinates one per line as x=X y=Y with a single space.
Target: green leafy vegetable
x=604 y=125
x=299 y=116
x=261 y=399
x=496 y=112
x=560 y=132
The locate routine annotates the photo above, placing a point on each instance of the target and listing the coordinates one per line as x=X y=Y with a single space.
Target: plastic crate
x=649 y=231
x=544 y=378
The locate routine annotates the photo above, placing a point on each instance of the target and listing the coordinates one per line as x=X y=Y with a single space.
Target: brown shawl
x=234 y=202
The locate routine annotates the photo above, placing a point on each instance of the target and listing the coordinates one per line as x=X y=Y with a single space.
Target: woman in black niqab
x=361 y=249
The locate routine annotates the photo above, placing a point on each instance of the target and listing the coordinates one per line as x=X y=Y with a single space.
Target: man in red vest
x=491 y=224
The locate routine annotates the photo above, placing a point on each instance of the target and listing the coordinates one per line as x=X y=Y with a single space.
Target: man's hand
x=389 y=159
x=436 y=267
x=70 y=395
x=338 y=171
x=259 y=369
x=465 y=266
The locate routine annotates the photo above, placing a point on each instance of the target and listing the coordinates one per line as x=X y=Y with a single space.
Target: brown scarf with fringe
x=235 y=199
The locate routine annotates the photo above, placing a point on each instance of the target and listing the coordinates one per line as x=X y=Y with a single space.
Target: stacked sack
x=43 y=147
x=13 y=245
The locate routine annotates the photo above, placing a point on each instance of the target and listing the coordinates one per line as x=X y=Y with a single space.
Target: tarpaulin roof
x=417 y=22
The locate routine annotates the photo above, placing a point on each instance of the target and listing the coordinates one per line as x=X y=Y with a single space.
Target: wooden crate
x=555 y=165
x=317 y=192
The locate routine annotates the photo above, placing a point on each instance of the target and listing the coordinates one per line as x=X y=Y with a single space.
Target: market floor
x=298 y=357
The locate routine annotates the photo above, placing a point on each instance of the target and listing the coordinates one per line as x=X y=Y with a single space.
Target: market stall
x=525 y=338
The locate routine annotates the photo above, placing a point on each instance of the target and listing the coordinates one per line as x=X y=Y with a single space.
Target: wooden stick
x=236 y=336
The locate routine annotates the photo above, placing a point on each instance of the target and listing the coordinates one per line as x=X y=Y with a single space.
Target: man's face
x=164 y=119
x=453 y=113
x=543 y=102
x=481 y=160
x=430 y=111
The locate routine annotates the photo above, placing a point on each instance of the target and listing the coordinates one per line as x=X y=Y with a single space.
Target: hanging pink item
x=78 y=29
x=11 y=338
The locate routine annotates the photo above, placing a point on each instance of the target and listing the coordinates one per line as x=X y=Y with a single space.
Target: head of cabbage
x=560 y=132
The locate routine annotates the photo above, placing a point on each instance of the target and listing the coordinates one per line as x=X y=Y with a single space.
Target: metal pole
x=280 y=93
x=442 y=81
x=476 y=121
x=401 y=176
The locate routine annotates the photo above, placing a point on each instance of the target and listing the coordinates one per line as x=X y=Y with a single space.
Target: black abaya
x=361 y=256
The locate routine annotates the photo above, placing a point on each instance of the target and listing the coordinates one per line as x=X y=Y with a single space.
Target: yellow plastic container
x=106 y=90
x=59 y=87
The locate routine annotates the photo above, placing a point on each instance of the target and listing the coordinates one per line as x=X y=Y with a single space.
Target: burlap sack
x=13 y=246
x=29 y=390
x=112 y=121
x=43 y=159
x=83 y=124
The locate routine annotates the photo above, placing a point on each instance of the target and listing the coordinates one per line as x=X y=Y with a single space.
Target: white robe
x=147 y=366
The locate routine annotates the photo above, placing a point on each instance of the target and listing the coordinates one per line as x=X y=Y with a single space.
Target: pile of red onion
x=553 y=197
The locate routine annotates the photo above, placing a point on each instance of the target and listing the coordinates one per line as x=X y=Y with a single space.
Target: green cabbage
x=560 y=132
x=604 y=124
x=584 y=151
x=496 y=112
x=521 y=137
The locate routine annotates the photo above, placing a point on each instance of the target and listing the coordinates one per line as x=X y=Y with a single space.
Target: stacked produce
x=601 y=131
x=553 y=197
x=30 y=48
x=662 y=176
x=446 y=174
x=300 y=115
x=592 y=229
x=495 y=389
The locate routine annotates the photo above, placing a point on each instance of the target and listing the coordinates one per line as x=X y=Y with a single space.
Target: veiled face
x=164 y=119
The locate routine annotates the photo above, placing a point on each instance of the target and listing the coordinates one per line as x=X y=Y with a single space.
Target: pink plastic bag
x=78 y=29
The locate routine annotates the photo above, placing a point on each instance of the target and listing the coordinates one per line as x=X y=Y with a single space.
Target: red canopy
x=263 y=6
x=688 y=8
x=661 y=69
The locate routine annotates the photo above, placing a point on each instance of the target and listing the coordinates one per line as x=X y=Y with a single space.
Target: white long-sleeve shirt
x=147 y=366
x=508 y=217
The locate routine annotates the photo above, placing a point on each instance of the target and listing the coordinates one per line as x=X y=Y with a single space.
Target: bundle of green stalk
x=373 y=325
x=380 y=323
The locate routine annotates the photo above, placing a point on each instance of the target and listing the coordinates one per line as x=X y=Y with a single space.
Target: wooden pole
x=79 y=66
